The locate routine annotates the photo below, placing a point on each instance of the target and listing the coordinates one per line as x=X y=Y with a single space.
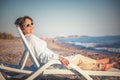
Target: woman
x=43 y=54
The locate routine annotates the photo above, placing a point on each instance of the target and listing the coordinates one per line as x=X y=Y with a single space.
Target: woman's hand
x=63 y=61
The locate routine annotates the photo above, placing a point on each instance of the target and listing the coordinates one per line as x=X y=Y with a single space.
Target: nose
x=32 y=27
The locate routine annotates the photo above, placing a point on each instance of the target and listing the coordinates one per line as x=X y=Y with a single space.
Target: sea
x=99 y=44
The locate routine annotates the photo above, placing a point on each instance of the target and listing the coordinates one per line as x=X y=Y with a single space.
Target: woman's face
x=27 y=27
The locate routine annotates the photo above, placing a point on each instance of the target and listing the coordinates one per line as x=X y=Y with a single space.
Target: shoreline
x=11 y=52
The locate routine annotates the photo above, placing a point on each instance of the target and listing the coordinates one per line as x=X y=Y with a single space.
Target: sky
x=63 y=17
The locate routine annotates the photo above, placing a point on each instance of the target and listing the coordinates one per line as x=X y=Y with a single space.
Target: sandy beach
x=11 y=51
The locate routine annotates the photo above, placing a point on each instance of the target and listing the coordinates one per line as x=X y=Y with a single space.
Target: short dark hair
x=19 y=21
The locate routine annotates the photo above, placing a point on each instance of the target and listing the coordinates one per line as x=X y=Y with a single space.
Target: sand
x=11 y=51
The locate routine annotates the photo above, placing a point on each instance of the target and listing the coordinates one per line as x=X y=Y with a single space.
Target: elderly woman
x=43 y=54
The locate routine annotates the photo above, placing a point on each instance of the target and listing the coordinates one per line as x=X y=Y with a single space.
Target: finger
x=67 y=62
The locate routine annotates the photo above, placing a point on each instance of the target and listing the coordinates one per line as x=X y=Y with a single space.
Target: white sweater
x=40 y=50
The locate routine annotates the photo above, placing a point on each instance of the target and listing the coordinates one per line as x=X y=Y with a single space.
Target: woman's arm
x=63 y=61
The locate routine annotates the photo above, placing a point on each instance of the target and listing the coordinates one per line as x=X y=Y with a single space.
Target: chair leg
x=2 y=76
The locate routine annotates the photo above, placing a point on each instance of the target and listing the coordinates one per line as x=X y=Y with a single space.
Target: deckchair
x=39 y=69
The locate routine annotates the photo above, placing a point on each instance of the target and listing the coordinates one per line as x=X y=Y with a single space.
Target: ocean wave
x=105 y=44
x=87 y=45
x=115 y=50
